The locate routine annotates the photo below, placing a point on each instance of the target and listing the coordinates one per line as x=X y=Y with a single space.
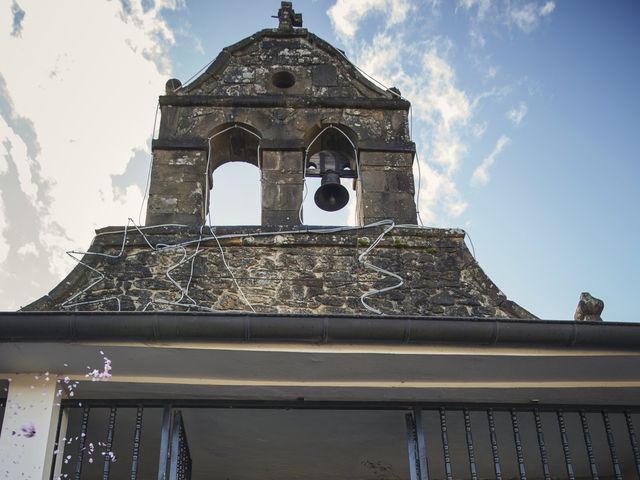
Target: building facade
x=181 y=350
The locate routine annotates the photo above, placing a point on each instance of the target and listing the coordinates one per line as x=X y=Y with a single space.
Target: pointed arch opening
x=234 y=175
x=331 y=175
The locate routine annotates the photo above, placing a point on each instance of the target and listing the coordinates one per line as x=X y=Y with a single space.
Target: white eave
x=375 y=359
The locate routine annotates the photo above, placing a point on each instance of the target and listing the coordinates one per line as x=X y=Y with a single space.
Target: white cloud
x=481 y=7
x=439 y=196
x=479 y=129
x=88 y=102
x=441 y=109
x=15 y=147
x=4 y=247
x=346 y=15
x=527 y=16
x=28 y=249
x=547 y=8
x=445 y=104
x=477 y=38
x=517 y=114
x=492 y=71
x=481 y=173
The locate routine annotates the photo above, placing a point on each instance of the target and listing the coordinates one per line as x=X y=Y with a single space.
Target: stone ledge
x=292 y=271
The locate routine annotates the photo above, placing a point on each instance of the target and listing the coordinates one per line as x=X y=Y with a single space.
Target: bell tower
x=293 y=106
x=289 y=103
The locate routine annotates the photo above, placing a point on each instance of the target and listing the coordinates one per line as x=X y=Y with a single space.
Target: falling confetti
x=28 y=430
x=103 y=375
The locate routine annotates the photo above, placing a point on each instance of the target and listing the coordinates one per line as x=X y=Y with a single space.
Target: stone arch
x=331 y=155
x=233 y=142
x=331 y=137
x=235 y=195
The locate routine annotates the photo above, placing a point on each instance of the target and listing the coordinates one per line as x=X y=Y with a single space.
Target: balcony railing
x=175 y=440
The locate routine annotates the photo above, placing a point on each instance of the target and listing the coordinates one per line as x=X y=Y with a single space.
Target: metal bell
x=331 y=196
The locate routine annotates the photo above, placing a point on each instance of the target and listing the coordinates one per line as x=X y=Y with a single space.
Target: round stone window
x=283 y=80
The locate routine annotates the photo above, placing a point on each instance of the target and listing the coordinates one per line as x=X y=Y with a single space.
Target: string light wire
x=244 y=297
x=390 y=225
x=147 y=183
x=362 y=259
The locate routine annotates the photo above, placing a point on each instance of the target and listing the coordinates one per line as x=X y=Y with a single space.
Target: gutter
x=70 y=327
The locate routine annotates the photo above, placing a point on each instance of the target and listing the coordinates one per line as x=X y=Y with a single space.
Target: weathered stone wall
x=241 y=89
x=176 y=193
x=282 y=187
x=319 y=69
x=302 y=273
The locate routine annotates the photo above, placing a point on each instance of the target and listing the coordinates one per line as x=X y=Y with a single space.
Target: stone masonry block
x=162 y=203
x=383 y=180
x=386 y=159
x=397 y=206
x=177 y=187
x=280 y=217
x=282 y=161
x=274 y=176
x=184 y=158
x=281 y=197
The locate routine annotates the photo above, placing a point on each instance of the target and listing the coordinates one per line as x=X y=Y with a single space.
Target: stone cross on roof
x=288 y=17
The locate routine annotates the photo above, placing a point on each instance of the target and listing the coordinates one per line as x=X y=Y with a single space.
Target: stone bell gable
x=275 y=100
x=273 y=62
x=293 y=106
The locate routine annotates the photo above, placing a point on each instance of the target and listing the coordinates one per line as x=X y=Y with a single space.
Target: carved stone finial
x=288 y=17
x=589 y=308
x=172 y=85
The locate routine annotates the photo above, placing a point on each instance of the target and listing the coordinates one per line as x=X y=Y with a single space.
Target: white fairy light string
x=201 y=240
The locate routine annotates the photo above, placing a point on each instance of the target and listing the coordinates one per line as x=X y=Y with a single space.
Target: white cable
x=330 y=126
x=418 y=189
x=473 y=249
x=184 y=292
x=185 y=258
x=369 y=265
x=417 y=193
x=101 y=275
x=304 y=196
x=197 y=307
x=146 y=187
x=147 y=227
x=201 y=240
x=230 y=272
x=374 y=80
x=100 y=300
x=185 y=84
x=398 y=95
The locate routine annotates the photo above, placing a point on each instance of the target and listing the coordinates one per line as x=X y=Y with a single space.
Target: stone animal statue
x=589 y=308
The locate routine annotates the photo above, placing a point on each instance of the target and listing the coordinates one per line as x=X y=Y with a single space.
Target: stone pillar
x=282 y=187
x=385 y=188
x=178 y=190
x=30 y=402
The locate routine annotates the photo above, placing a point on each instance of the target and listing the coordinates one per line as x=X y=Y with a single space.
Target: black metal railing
x=148 y=439
x=3 y=404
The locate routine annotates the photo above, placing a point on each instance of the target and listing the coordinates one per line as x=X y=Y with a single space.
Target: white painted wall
x=30 y=400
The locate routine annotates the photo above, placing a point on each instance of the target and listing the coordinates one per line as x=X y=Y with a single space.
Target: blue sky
x=525 y=117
